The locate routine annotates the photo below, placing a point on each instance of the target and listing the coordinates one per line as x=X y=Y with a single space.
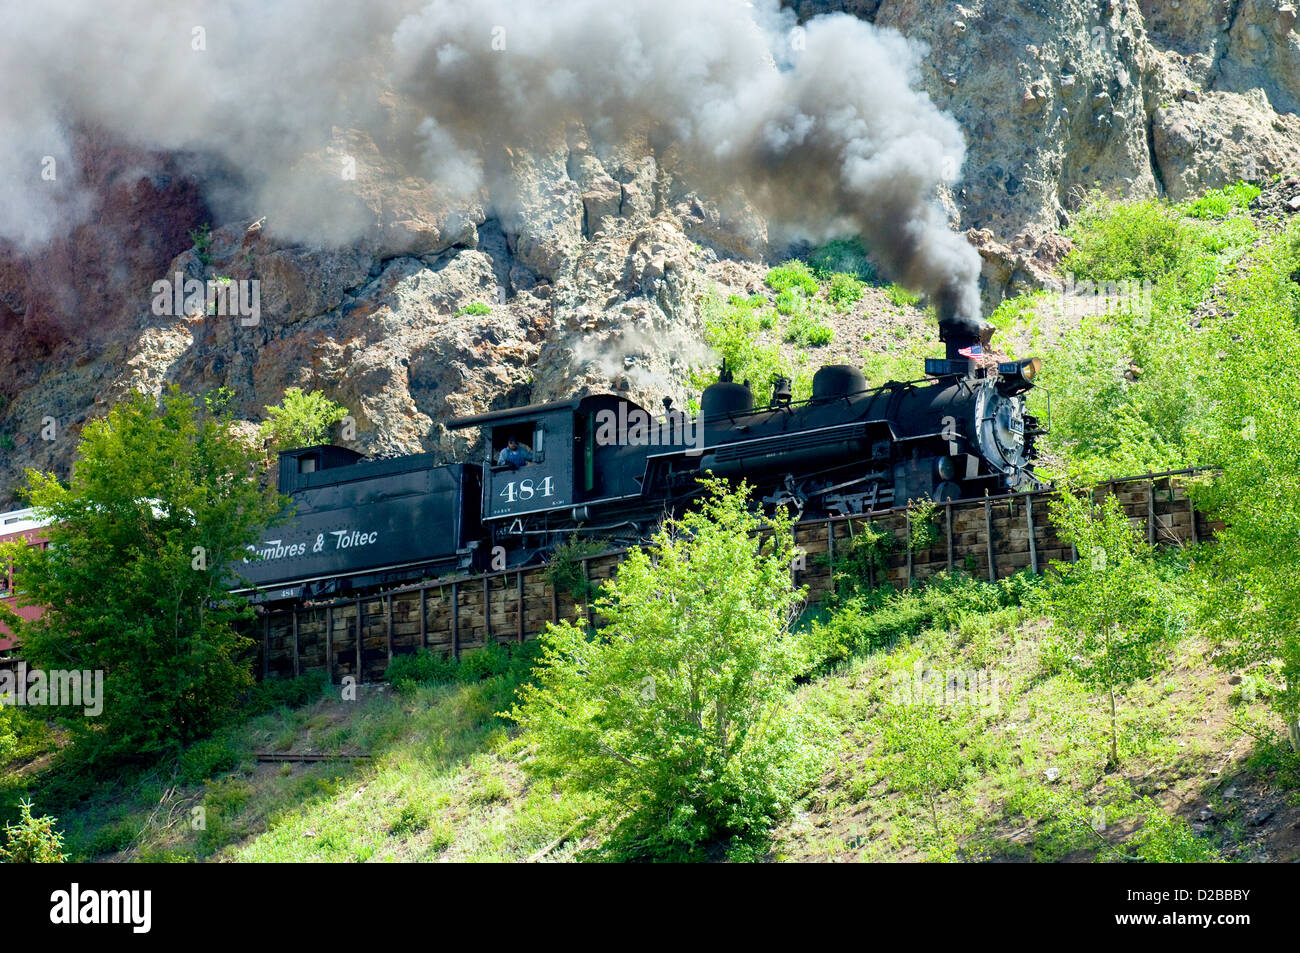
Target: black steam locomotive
x=602 y=466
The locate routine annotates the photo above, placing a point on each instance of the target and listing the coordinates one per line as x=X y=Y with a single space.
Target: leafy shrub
x=564 y=571
x=301 y=419
x=1143 y=240
x=1250 y=582
x=24 y=734
x=113 y=838
x=1129 y=384
x=477 y=308
x=125 y=589
x=1220 y=203
x=1016 y=313
x=434 y=668
x=33 y=840
x=412 y=819
x=807 y=331
x=865 y=620
x=792 y=274
x=424 y=667
x=1166 y=839
x=901 y=297
x=921 y=519
x=678 y=711
x=486 y=662
x=1109 y=607
x=844 y=290
x=866 y=560
x=791 y=301
x=8 y=737
x=843 y=256
x=276 y=693
x=204 y=759
x=922 y=757
x=734 y=329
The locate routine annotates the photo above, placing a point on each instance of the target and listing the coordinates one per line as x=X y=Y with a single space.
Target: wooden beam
x=988 y=533
x=871 y=566
x=455 y=620
x=360 y=671
x=947 y=518
x=266 y=646
x=830 y=551
x=424 y=618
x=294 y=613
x=1151 y=512
x=329 y=642
x=487 y=610
x=519 y=602
x=1033 y=544
x=388 y=625
x=907 y=524
x=1191 y=511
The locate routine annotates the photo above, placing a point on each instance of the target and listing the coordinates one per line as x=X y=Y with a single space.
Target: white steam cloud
x=823 y=127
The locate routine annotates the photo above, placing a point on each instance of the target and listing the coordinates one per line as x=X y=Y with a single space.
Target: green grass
x=845 y=256
x=447 y=781
x=843 y=290
x=792 y=274
x=1220 y=203
x=807 y=331
x=743 y=331
x=901 y=297
x=477 y=308
x=999 y=803
x=792 y=301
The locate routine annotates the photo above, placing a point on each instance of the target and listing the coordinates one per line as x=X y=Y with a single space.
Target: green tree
x=678 y=710
x=921 y=755
x=1251 y=578
x=144 y=542
x=1109 y=608
x=33 y=840
x=8 y=737
x=300 y=420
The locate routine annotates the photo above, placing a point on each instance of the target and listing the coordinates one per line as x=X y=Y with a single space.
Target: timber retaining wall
x=991 y=539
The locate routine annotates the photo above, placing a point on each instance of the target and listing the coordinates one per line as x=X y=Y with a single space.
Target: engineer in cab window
x=514 y=455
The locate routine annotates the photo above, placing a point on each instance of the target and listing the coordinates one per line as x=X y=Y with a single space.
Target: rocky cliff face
x=593 y=261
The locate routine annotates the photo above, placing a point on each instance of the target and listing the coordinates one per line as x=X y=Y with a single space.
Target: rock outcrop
x=574 y=268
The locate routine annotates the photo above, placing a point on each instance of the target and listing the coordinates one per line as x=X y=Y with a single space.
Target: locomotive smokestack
x=963 y=335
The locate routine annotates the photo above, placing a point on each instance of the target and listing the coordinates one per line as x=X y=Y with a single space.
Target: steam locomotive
x=604 y=467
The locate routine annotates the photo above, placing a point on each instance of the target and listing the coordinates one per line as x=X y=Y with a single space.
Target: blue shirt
x=514 y=458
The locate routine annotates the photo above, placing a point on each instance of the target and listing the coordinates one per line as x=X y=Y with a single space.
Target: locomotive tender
x=602 y=466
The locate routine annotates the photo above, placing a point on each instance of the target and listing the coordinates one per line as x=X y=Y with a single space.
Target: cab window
x=529 y=436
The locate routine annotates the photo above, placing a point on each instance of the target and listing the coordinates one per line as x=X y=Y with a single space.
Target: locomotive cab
x=575 y=450
x=544 y=477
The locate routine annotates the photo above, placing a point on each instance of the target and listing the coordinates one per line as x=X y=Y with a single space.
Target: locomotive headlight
x=1018 y=376
x=947 y=469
